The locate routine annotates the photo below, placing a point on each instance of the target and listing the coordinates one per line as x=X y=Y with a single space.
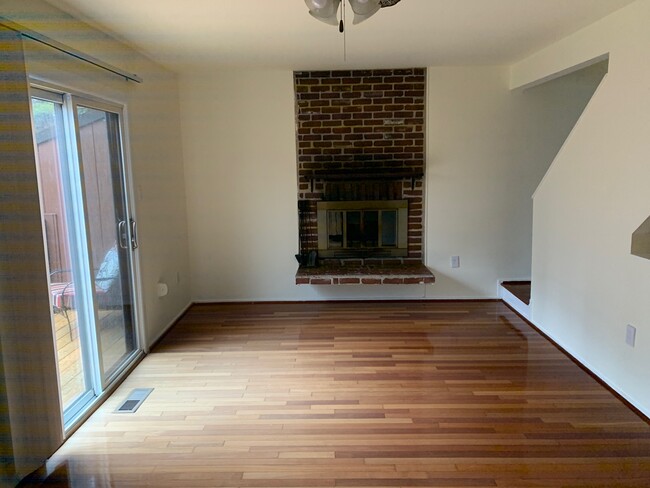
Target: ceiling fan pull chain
x=342 y=30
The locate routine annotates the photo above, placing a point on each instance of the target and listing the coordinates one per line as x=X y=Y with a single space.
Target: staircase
x=517 y=295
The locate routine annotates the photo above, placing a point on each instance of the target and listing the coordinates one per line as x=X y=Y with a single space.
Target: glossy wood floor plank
x=448 y=394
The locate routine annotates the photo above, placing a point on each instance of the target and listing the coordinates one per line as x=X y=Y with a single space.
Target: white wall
x=586 y=284
x=488 y=148
x=239 y=148
x=29 y=398
x=160 y=200
x=152 y=115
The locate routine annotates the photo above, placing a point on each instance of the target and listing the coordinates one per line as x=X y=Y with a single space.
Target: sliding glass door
x=111 y=233
x=90 y=238
x=64 y=245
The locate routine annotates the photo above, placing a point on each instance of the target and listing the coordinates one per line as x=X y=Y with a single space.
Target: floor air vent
x=134 y=400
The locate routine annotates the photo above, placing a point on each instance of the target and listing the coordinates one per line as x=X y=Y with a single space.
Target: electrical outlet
x=630 y=335
x=455 y=261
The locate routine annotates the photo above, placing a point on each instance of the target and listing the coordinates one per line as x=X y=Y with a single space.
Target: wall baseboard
x=355 y=299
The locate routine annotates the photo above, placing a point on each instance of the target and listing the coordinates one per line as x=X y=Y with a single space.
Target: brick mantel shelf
x=366 y=274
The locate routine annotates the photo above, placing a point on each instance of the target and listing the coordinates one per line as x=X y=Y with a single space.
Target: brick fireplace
x=360 y=141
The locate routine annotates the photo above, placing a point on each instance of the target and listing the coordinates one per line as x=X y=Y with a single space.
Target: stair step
x=520 y=289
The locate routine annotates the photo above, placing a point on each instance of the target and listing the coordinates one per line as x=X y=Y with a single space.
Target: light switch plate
x=455 y=261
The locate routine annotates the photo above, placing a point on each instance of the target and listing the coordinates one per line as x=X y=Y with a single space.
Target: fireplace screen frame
x=400 y=249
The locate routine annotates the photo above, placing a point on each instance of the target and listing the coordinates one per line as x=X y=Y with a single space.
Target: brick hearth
x=365 y=274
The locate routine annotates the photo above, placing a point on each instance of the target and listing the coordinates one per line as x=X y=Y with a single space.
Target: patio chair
x=107 y=276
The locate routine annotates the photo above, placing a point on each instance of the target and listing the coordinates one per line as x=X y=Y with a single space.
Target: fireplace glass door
x=362 y=229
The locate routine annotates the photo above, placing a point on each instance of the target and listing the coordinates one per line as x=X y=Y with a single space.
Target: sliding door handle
x=134 y=234
x=122 y=236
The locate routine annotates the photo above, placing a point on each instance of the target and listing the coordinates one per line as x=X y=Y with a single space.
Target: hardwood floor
x=445 y=394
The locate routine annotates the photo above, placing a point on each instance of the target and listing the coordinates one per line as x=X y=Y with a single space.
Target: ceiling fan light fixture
x=317 y=4
x=364 y=9
x=327 y=10
x=324 y=10
x=388 y=3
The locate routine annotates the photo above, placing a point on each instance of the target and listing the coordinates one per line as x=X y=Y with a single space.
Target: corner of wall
x=587 y=286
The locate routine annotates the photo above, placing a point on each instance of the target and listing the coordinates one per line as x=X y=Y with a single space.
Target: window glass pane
x=370 y=228
x=107 y=220
x=335 y=229
x=353 y=228
x=389 y=228
x=59 y=232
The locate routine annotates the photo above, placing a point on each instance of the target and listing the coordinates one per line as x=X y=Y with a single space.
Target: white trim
x=561 y=73
x=345 y=299
x=45 y=84
x=136 y=269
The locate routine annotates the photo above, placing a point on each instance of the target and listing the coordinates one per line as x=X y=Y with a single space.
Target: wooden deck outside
x=69 y=356
x=68 y=348
x=359 y=395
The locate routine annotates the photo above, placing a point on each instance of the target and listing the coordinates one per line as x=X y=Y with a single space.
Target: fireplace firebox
x=362 y=229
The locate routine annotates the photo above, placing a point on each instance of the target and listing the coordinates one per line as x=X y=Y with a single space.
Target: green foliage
x=43 y=113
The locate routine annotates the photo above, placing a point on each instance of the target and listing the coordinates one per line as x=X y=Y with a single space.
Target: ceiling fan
x=327 y=10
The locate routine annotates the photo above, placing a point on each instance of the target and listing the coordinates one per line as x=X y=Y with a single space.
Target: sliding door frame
x=103 y=384
x=76 y=238
x=73 y=102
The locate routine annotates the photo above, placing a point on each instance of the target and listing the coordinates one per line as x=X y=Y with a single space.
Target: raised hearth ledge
x=369 y=274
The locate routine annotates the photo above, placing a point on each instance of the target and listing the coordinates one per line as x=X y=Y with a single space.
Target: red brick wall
x=360 y=136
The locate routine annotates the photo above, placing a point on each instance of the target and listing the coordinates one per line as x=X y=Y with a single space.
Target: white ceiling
x=281 y=34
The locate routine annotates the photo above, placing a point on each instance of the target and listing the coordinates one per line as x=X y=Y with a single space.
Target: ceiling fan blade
x=364 y=9
x=324 y=10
